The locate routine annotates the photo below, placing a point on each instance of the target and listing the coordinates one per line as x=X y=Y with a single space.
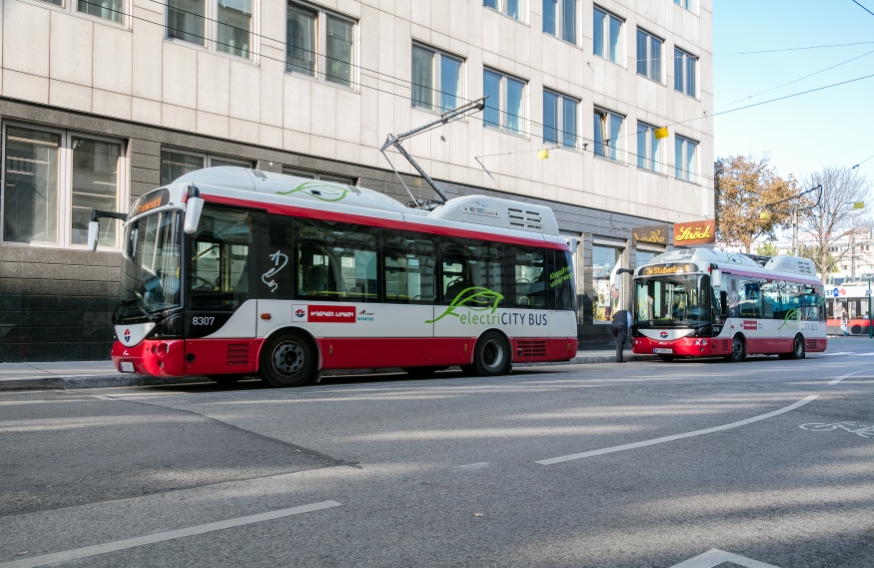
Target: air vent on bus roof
x=522 y=219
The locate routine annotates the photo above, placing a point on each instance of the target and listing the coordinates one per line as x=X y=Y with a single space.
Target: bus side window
x=530 y=277
x=561 y=281
x=219 y=272
x=471 y=268
x=410 y=268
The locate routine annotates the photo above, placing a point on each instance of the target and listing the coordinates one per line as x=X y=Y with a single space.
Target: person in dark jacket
x=620 y=326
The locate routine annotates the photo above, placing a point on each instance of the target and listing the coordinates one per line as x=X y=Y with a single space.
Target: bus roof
x=790 y=267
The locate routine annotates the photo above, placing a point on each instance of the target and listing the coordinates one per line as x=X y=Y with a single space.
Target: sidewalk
x=97 y=374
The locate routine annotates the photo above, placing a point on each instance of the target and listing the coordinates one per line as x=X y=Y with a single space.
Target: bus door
x=221 y=309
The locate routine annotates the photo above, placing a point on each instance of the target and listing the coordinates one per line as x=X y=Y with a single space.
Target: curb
x=126 y=380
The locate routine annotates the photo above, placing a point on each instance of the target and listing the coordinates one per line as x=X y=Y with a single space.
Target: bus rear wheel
x=491 y=356
x=797 y=348
x=288 y=360
x=738 y=350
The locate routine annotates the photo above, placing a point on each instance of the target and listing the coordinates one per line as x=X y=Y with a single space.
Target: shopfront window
x=605 y=262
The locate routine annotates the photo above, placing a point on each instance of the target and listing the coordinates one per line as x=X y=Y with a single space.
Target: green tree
x=767 y=249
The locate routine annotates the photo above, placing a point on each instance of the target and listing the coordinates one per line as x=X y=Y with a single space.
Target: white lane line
x=472 y=466
x=77 y=553
x=842 y=377
x=101 y=397
x=833 y=354
x=714 y=557
x=664 y=439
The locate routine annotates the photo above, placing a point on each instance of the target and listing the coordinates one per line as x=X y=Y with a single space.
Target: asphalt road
x=694 y=464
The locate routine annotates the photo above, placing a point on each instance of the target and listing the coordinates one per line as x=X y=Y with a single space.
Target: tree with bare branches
x=835 y=217
x=746 y=187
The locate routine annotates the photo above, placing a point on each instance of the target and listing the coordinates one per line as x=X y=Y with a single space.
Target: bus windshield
x=150 y=266
x=672 y=301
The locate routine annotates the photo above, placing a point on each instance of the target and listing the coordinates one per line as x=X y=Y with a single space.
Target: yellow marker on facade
x=543 y=154
x=661 y=133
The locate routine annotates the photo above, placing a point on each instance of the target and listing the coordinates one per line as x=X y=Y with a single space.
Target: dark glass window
x=530 y=277
x=219 y=252
x=471 y=268
x=336 y=262
x=410 y=268
x=561 y=282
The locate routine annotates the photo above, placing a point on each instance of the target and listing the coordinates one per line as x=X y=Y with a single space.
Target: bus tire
x=738 y=350
x=797 y=348
x=491 y=356
x=288 y=360
x=225 y=379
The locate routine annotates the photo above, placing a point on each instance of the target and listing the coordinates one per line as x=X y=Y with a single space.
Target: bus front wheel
x=491 y=355
x=797 y=348
x=738 y=350
x=287 y=360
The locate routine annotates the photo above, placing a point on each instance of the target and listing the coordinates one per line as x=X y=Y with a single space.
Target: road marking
x=472 y=467
x=664 y=439
x=842 y=377
x=834 y=354
x=101 y=397
x=714 y=557
x=77 y=553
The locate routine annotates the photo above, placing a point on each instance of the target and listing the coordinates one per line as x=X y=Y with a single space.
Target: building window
x=685 y=72
x=505 y=103
x=52 y=180
x=608 y=134
x=560 y=119
x=687 y=4
x=648 y=151
x=436 y=79
x=607 y=36
x=109 y=10
x=177 y=163
x=311 y=32
x=191 y=21
x=512 y=8
x=649 y=56
x=560 y=19
x=685 y=156
x=606 y=261
x=345 y=180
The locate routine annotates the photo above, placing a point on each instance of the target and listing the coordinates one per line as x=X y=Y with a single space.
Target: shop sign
x=653 y=234
x=696 y=233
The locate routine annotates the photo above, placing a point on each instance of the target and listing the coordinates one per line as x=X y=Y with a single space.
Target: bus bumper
x=682 y=347
x=153 y=357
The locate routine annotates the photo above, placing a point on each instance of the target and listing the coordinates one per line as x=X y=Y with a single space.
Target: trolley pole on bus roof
x=445 y=118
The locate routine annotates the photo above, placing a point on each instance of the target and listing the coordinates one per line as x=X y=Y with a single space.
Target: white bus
x=706 y=303
x=230 y=272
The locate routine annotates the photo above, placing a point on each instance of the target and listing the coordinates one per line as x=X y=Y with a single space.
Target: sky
x=806 y=133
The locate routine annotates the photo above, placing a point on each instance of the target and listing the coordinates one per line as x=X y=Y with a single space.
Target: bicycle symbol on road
x=852 y=427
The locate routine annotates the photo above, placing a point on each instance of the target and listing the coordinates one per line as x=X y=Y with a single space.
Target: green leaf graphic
x=476 y=298
x=318 y=185
x=792 y=316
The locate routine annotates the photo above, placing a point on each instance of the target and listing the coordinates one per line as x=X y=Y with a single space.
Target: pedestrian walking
x=620 y=326
x=845 y=321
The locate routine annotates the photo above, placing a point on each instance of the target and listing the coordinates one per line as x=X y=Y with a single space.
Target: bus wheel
x=225 y=379
x=491 y=355
x=287 y=360
x=797 y=348
x=738 y=350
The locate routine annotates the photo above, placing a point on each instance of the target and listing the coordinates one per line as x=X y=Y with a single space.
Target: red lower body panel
x=359 y=352
x=709 y=347
x=184 y=357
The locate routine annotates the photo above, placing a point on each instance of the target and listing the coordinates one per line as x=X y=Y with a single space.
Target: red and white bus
x=230 y=272
x=853 y=297
x=706 y=303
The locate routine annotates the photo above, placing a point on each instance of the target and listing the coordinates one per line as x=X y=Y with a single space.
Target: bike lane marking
x=714 y=557
x=664 y=439
x=842 y=377
x=87 y=551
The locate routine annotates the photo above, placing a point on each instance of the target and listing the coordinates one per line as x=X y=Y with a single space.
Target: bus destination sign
x=151 y=200
x=667 y=269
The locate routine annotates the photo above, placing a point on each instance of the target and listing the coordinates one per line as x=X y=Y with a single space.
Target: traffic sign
x=835 y=292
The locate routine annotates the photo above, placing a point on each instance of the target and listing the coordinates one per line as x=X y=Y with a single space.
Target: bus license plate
x=127 y=367
x=662 y=350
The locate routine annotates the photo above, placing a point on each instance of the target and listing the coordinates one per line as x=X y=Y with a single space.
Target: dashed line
x=87 y=551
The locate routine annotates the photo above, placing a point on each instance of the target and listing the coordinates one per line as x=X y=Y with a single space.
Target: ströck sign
x=696 y=233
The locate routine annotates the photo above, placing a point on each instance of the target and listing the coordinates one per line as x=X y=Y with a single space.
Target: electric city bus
x=706 y=303
x=853 y=297
x=230 y=272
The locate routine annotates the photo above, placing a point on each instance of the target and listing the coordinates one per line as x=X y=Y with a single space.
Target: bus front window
x=150 y=266
x=672 y=301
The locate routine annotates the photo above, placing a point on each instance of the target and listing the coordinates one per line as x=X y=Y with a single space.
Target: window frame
x=657 y=157
x=688 y=5
x=320 y=176
x=64 y=215
x=502 y=9
x=211 y=27
x=606 y=35
x=685 y=56
x=71 y=10
x=321 y=55
x=502 y=106
x=206 y=157
x=437 y=78
x=560 y=21
x=649 y=58
x=679 y=168
x=620 y=148
x=560 y=116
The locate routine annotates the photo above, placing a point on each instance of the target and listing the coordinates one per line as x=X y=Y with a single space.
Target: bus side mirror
x=716 y=278
x=93 y=233
x=192 y=214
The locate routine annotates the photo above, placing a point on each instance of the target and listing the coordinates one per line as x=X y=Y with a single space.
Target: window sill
x=503 y=130
x=505 y=15
x=56 y=246
x=432 y=111
x=611 y=160
x=317 y=81
x=686 y=9
x=654 y=172
x=571 y=43
x=71 y=11
x=205 y=49
x=693 y=97
x=560 y=146
x=651 y=80
x=601 y=57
